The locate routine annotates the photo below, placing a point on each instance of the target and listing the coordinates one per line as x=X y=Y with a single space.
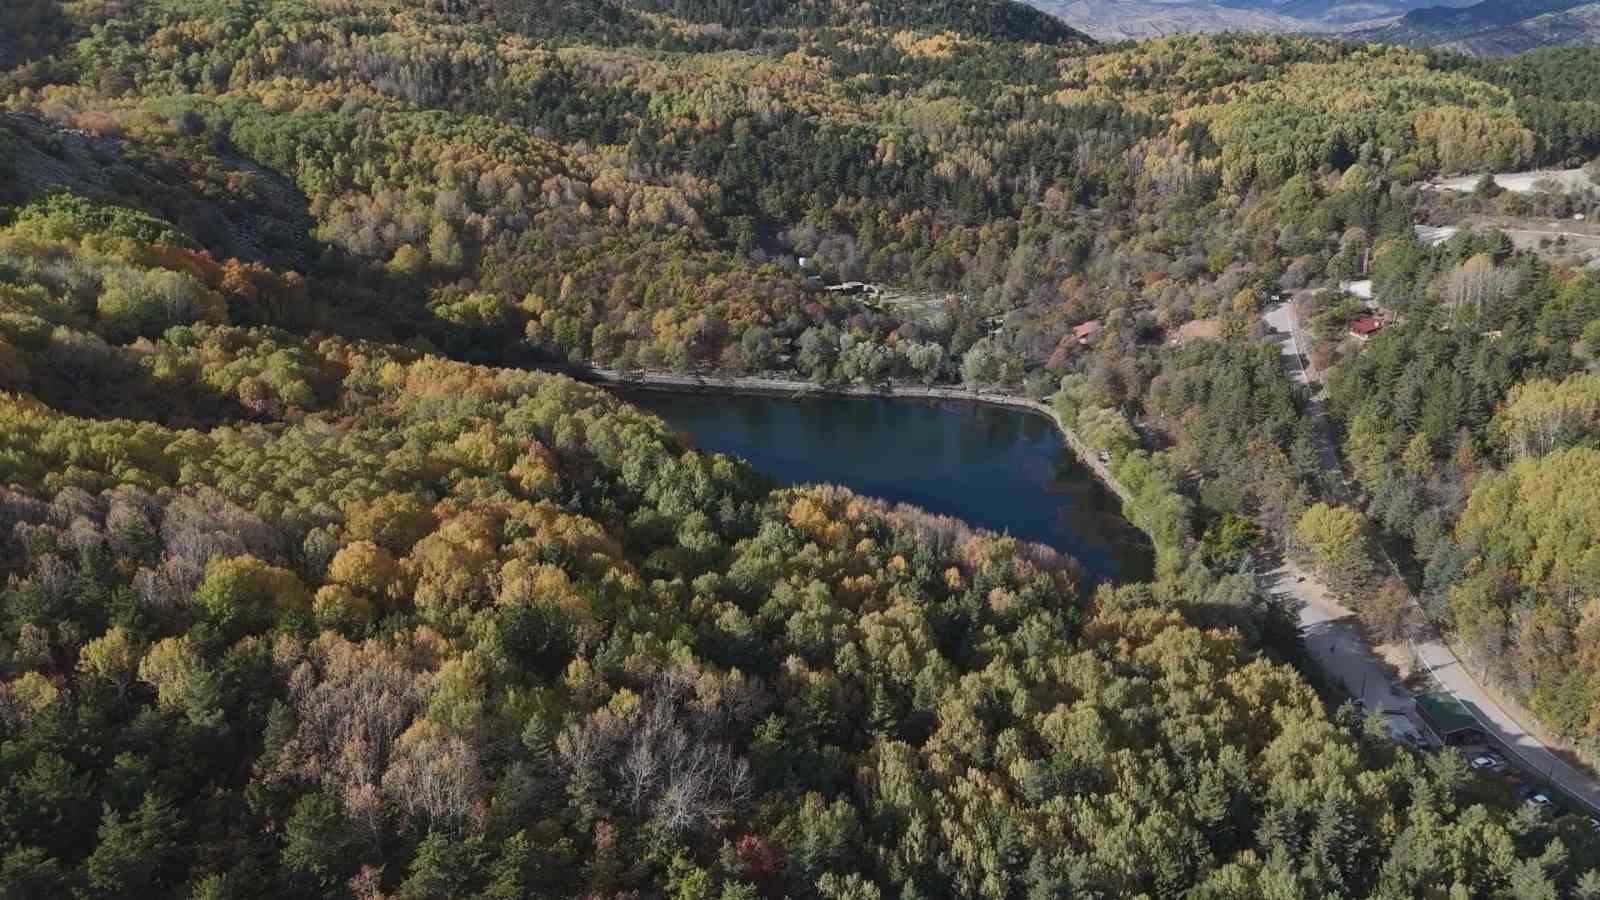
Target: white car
x=1485 y=761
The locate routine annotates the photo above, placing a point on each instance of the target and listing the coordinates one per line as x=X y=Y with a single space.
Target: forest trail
x=1345 y=654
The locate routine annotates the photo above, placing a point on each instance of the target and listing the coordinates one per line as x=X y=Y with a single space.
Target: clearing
x=1519 y=182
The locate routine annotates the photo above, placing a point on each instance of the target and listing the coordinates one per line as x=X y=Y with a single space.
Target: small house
x=1449 y=719
x=1088 y=331
x=1365 y=327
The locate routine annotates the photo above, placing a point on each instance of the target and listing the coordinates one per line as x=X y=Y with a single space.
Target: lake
x=1005 y=470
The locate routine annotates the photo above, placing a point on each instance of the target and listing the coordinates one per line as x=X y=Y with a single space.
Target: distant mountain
x=1342 y=13
x=1483 y=15
x=1119 y=20
x=1132 y=19
x=1496 y=27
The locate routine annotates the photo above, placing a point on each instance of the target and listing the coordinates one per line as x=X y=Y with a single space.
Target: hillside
x=1133 y=19
x=1121 y=20
x=322 y=580
x=1496 y=27
x=1476 y=27
x=1578 y=26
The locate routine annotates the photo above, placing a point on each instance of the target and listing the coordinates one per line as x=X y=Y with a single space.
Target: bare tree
x=670 y=762
x=169 y=585
x=352 y=703
x=1478 y=283
x=207 y=525
x=436 y=774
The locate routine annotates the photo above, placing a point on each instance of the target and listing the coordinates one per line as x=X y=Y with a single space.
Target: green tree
x=319 y=844
x=1335 y=536
x=28 y=873
x=135 y=854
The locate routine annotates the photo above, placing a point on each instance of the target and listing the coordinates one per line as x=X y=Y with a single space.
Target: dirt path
x=1518 y=182
x=1334 y=641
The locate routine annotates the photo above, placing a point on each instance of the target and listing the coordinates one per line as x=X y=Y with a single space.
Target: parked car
x=1487 y=761
x=1534 y=797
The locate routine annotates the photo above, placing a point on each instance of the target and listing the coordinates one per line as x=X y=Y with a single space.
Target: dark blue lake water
x=1001 y=469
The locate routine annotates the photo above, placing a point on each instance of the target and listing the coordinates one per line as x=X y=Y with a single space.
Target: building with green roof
x=1449 y=719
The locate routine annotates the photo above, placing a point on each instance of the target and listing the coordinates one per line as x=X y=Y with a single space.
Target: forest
x=322 y=578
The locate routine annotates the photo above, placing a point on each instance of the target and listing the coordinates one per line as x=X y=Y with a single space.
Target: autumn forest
x=324 y=574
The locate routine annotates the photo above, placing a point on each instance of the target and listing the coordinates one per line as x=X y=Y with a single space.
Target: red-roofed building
x=1366 y=326
x=1087 y=332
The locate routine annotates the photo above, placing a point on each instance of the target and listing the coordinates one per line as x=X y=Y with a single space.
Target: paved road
x=1537 y=759
x=1281 y=318
x=1344 y=654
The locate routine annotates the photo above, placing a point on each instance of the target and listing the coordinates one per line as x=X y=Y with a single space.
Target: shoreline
x=761 y=386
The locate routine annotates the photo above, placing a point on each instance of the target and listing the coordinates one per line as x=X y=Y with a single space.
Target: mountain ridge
x=1493 y=28
x=1482 y=28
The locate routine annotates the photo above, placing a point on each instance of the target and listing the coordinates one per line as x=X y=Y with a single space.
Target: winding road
x=1338 y=646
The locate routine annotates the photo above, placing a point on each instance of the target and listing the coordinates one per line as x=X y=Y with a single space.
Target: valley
x=683 y=449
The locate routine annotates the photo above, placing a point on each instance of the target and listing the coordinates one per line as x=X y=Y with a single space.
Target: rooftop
x=1445 y=713
x=1366 y=325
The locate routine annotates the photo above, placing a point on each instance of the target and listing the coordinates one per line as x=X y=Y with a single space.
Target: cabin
x=1449 y=720
x=1088 y=331
x=1365 y=327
